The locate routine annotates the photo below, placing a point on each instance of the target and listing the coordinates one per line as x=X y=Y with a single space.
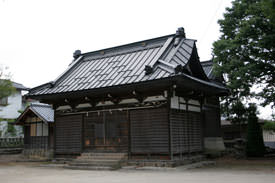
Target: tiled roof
x=43 y=111
x=208 y=68
x=123 y=65
x=19 y=86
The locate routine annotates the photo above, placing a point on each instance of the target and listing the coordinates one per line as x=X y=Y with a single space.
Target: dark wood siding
x=37 y=142
x=51 y=136
x=26 y=135
x=186 y=131
x=106 y=131
x=68 y=134
x=149 y=130
x=212 y=127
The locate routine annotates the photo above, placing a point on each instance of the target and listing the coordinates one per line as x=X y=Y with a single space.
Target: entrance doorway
x=106 y=131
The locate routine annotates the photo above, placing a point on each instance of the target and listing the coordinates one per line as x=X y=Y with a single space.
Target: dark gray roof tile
x=122 y=65
x=44 y=111
x=208 y=69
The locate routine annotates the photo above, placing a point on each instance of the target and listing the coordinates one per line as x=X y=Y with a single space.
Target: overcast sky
x=38 y=38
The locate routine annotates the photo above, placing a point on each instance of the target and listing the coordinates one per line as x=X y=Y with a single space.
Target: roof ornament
x=76 y=54
x=178 y=69
x=148 y=69
x=180 y=33
x=51 y=84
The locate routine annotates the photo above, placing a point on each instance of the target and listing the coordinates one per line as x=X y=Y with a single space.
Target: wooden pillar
x=129 y=134
x=188 y=125
x=170 y=94
x=54 y=134
x=82 y=133
x=202 y=123
x=49 y=136
x=104 y=128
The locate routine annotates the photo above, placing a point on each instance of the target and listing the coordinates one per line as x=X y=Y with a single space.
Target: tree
x=245 y=54
x=254 y=142
x=6 y=88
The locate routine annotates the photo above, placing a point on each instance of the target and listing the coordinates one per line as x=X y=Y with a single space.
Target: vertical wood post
x=188 y=126
x=82 y=133
x=104 y=128
x=180 y=129
x=129 y=134
x=54 y=134
x=202 y=124
x=170 y=94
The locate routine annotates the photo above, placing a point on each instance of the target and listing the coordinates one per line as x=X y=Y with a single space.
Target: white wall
x=14 y=104
x=180 y=103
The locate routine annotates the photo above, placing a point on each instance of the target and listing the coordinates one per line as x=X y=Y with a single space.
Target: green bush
x=269 y=126
x=11 y=129
x=255 y=143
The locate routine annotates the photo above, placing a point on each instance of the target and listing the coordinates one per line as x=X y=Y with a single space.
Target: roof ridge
x=40 y=104
x=127 y=44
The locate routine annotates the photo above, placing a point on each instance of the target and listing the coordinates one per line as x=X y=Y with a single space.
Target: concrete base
x=38 y=153
x=214 y=144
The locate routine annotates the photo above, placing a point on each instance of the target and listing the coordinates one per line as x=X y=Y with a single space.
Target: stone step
x=100 y=158
x=94 y=163
x=72 y=167
x=105 y=154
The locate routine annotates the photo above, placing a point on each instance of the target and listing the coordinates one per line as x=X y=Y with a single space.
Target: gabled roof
x=138 y=62
x=208 y=69
x=43 y=111
x=19 y=86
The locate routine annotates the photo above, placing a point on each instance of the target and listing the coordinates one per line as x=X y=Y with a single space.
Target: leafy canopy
x=245 y=53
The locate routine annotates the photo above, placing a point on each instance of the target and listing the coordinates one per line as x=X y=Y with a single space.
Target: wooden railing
x=11 y=142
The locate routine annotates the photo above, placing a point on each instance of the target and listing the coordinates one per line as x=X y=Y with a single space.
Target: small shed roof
x=43 y=111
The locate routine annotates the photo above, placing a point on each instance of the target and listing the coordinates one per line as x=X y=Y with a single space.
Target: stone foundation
x=187 y=159
x=39 y=154
x=214 y=144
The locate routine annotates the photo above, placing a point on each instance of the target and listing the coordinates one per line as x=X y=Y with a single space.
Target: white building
x=10 y=107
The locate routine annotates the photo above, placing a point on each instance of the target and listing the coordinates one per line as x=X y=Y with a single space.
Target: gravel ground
x=224 y=171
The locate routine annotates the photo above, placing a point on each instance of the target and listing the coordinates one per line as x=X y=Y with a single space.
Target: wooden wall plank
x=186 y=131
x=68 y=134
x=149 y=131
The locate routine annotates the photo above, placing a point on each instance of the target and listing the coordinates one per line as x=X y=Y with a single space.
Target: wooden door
x=68 y=137
x=106 y=131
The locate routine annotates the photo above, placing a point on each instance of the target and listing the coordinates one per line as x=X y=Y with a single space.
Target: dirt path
x=224 y=172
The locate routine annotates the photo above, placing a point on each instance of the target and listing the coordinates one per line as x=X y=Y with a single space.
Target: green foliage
x=20 y=111
x=269 y=126
x=255 y=143
x=11 y=130
x=245 y=53
x=8 y=120
x=6 y=88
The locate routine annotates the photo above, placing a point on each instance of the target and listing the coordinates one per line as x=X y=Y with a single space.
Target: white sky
x=38 y=38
